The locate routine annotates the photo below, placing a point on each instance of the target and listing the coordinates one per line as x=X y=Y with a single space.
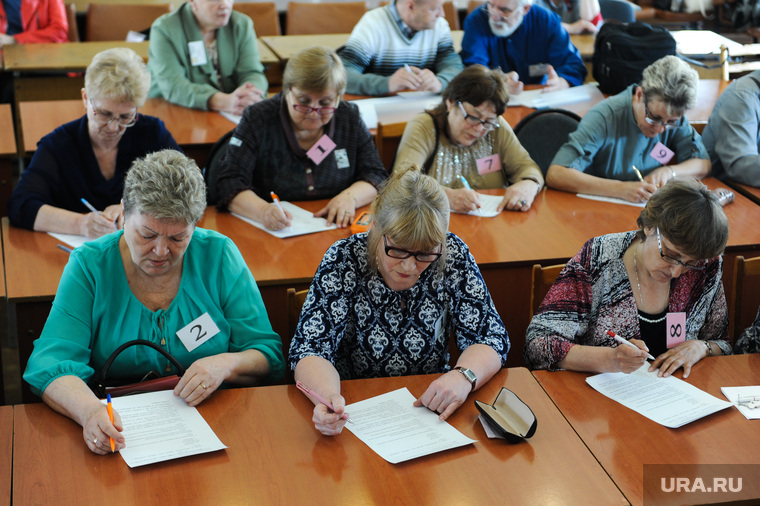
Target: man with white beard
x=527 y=42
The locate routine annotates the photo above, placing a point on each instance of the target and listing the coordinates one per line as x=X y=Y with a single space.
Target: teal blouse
x=94 y=311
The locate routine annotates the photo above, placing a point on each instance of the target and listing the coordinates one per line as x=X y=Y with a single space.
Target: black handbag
x=151 y=382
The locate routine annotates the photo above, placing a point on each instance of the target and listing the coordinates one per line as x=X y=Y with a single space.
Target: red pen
x=308 y=391
x=627 y=343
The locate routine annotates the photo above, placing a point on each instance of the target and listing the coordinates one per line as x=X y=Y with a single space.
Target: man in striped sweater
x=405 y=45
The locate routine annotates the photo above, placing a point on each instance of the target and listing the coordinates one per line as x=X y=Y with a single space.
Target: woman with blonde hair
x=304 y=143
x=88 y=158
x=385 y=303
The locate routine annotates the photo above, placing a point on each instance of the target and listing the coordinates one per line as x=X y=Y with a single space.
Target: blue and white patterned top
x=366 y=329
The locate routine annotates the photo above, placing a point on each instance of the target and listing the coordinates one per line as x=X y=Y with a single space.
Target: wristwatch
x=468 y=374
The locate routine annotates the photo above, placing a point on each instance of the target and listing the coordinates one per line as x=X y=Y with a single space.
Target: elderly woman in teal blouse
x=204 y=55
x=158 y=275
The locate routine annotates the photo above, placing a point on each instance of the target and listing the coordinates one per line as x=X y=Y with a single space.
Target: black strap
x=104 y=372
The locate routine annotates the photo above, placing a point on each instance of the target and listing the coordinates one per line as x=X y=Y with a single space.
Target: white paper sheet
x=733 y=393
x=395 y=109
x=668 y=401
x=303 y=222
x=235 y=118
x=159 y=426
x=611 y=200
x=488 y=205
x=702 y=43
x=72 y=240
x=540 y=100
x=397 y=431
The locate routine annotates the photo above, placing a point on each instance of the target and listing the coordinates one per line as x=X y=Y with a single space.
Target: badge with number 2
x=676 y=329
x=197 y=332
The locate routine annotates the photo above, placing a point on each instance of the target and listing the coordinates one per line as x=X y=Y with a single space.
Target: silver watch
x=468 y=374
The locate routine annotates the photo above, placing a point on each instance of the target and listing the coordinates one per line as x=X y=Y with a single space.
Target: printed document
x=397 y=431
x=668 y=401
x=302 y=222
x=488 y=205
x=733 y=393
x=396 y=109
x=160 y=426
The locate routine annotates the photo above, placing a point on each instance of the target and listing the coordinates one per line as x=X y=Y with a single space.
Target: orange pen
x=110 y=415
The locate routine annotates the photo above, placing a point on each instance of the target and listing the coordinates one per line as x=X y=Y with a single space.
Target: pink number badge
x=661 y=153
x=319 y=151
x=488 y=164
x=675 y=329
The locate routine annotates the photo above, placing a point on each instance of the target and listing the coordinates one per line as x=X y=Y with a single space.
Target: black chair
x=619 y=10
x=543 y=132
x=213 y=163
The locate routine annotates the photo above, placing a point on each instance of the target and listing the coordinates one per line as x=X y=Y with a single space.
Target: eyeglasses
x=474 y=120
x=656 y=122
x=699 y=266
x=401 y=254
x=501 y=14
x=105 y=118
x=322 y=111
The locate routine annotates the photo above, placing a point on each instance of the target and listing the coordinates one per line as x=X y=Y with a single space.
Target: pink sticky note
x=661 y=153
x=323 y=147
x=675 y=329
x=488 y=164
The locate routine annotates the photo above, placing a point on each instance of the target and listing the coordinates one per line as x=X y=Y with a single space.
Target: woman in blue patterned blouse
x=384 y=303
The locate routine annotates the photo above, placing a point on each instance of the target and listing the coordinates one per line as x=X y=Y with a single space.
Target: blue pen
x=65 y=248
x=466 y=186
x=90 y=206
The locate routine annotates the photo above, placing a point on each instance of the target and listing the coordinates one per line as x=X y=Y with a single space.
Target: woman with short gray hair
x=84 y=162
x=162 y=280
x=673 y=82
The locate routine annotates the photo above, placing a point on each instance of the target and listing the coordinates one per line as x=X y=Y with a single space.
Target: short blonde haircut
x=413 y=211
x=166 y=185
x=315 y=69
x=119 y=74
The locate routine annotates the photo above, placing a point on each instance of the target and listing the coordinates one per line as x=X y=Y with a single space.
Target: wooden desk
x=6 y=453
x=7 y=152
x=61 y=57
x=285 y=46
x=623 y=441
x=275 y=456
x=750 y=192
x=194 y=130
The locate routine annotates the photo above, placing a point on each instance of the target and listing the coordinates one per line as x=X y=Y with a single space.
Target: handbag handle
x=102 y=378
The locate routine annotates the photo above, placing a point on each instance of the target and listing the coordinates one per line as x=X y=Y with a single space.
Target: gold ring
x=203 y=385
x=95 y=441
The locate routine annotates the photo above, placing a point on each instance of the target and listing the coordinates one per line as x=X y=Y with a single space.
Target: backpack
x=623 y=51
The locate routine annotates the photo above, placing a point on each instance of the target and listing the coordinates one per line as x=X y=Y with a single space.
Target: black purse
x=151 y=382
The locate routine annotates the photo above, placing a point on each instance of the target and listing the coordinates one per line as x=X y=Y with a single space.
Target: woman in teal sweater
x=157 y=280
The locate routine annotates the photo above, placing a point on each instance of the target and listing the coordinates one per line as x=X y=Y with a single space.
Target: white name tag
x=197 y=332
x=197 y=52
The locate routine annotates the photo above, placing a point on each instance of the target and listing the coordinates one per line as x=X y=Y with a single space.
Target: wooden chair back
x=451 y=14
x=745 y=61
x=114 y=21
x=745 y=299
x=295 y=303
x=387 y=139
x=323 y=17
x=474 y=4
x=543 y=278
x=266 y=19
x=71 y=18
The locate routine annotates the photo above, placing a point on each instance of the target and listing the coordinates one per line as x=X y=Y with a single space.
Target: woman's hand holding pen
x=96 y=224
x=463 y=200
x=330 y=422
x=635 y=191
x=627 y=358
x=275 y=218
x=98 y=429
x=445 y=394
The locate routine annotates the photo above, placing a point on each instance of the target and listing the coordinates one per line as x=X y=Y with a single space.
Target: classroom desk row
x=505 y=247
x=587 y=449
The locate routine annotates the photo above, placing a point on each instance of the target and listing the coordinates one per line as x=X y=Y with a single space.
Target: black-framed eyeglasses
x=699 y=266
x=674 y=123
x=474 y=120
x=502 y=15
x=400 y=254
x=105 y=118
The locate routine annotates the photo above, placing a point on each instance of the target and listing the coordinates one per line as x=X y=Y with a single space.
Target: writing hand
x=554 y=82
x=402 y=79
x=98 y=429
x=463 y=200
x=330 y=423
x=628 y=359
